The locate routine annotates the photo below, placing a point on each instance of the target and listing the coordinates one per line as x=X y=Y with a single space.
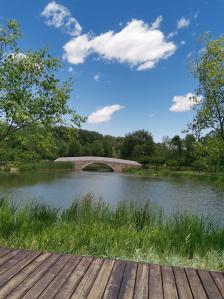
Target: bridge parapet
x=116 y=164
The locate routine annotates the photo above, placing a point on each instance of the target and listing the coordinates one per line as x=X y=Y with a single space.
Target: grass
x=92 y=227
x=44 y=165
x=216 y=178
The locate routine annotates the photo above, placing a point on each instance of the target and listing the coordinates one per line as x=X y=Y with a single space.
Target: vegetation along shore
x=92 y=227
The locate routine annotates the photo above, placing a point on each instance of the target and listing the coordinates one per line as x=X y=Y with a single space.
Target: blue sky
x=128 y=59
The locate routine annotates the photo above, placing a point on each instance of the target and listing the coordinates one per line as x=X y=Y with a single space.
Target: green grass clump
x=128 y=231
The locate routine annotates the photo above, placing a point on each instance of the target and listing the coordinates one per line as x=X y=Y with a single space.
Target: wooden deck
x=32 y=274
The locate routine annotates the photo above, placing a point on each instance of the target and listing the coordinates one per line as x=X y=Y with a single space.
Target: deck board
x=114 y=283
x=128 y=281
x=209 y=285
x=33 y=274
x=169 y=284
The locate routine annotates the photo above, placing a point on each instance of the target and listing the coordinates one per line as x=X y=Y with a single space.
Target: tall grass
x=92 y=227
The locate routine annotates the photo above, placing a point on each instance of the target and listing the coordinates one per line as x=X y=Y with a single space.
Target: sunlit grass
x=92 y=227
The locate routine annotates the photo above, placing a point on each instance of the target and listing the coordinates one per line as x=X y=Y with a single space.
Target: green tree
x=137 y=145
x=74 y=148
x=97 y=148
x=189 y=148
x=209 y=70
x=108 y=146
x=30 y=93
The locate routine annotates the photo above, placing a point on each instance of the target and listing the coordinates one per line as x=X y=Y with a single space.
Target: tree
x=74 y=148
x=176 y=145
x=136 y=144
x=97 y=148
x=209 y=70
x=30 y=93
x=108 y=146
x=189 y=146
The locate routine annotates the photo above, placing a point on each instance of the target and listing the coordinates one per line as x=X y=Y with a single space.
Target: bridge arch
x=85 y=167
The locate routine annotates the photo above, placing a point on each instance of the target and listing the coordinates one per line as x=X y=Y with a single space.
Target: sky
x=129 y=59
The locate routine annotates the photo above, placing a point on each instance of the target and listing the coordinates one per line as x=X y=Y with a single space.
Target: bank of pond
x=211 y=177
x=128 y=231
x=182 y=224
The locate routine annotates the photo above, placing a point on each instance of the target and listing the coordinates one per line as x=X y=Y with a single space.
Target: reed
x=128 y=231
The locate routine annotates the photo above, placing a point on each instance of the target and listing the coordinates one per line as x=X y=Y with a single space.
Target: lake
x=60 y=189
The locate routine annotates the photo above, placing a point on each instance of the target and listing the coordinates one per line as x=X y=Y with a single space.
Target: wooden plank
x=155 y=282
x=169 y=284
x=142 y=282
x=13 y=260
x=8 y=256
x=30 y=274
x=46 y=279
x=195 y=284
x=219 y=280
x=209 y=285
x=18 y=278
x=102 y=278
x=4 y=251
x=33 y=277
x=114 y=283
x=183 y=287
x=18 y=267
x=128 y=282
x=71 y=284
x=54 y=287
x=87 y=281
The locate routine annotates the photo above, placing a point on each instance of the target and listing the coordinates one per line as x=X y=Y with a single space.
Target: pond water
x=60 y=189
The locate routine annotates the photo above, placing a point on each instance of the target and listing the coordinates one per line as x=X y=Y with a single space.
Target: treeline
x=31 y=145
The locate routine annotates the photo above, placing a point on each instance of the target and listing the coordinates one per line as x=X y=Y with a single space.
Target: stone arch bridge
x=116 y=165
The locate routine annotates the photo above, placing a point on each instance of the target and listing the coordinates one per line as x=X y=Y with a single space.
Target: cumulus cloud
x=137 y=44
x=183 y=23
x=59 y=16
x=104 y=114
x=183 y=103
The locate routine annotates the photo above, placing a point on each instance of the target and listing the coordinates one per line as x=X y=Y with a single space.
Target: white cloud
x=77 y=49
x=156 y=23
x=59 y=16
x=183 y=103
x=183 y=23
x=172 y=34
x=104 y=114
x=137 y=44
x=97 y=77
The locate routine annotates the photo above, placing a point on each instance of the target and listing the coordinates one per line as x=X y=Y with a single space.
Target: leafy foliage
x=209 y=70
x=30 y=93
